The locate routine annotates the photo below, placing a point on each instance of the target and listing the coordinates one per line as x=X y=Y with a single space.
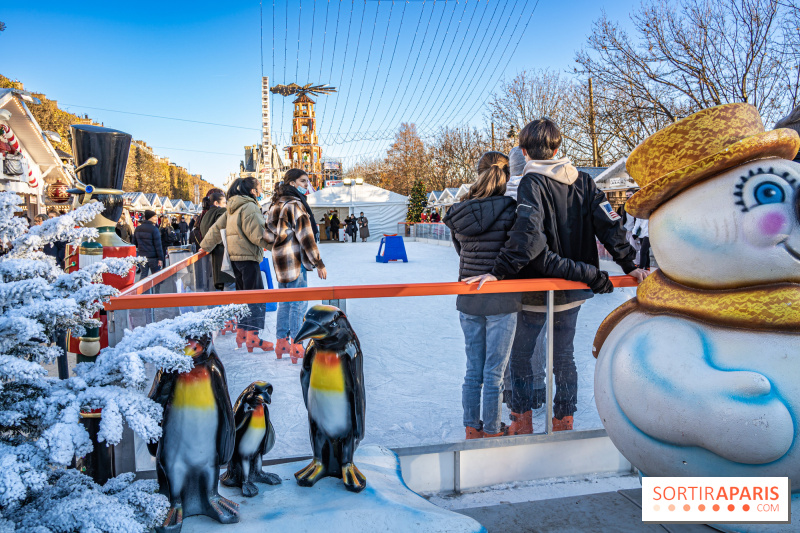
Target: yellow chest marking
x=193 y=389
x=327 y=373
x=257 y=420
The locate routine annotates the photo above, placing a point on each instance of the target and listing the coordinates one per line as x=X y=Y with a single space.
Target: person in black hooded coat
x=479 y=227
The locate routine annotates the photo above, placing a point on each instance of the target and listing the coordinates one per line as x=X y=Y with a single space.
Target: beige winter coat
x=244 y=227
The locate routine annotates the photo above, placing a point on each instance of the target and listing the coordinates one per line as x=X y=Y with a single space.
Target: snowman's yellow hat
x=699 y=147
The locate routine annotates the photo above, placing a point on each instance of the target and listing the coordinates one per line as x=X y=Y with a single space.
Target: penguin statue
x=255 y=437
x=197 y=437
x=332 y=378
x=699 y=375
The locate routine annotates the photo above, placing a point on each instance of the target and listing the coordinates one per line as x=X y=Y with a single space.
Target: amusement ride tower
x=305 y=151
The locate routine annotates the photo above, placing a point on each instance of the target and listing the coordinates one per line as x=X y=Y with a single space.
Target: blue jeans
x=488 y=344
x=528 y=367
x=290 y=314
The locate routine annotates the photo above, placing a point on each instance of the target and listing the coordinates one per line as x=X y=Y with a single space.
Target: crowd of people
x=153 y=235
x=355 y=227
x=529 y=215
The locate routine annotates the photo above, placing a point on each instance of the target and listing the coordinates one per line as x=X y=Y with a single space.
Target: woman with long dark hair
x=294 y=231
x=217 y=207
x=246 y=239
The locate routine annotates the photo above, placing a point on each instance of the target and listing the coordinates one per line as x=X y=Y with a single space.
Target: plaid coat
x=289 y=227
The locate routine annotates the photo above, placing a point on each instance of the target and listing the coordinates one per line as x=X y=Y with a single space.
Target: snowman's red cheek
x=772 y=223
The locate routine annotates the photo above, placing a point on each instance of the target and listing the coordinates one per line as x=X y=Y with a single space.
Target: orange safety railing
x=133 y=298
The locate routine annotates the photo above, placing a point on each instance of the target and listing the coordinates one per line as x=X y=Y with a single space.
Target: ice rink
x=414 y=360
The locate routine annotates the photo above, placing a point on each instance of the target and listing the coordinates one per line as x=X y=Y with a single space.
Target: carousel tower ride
x=305 y=151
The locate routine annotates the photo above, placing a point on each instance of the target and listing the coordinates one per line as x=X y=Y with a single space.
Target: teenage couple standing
x=540 y=223
x=291 y=233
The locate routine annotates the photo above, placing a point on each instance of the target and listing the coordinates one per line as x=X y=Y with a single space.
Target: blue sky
x=201 y=62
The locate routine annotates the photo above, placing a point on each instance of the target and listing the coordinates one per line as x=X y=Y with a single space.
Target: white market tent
x=383 y=208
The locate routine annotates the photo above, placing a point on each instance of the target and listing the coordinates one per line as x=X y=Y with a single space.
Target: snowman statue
x=699 y=375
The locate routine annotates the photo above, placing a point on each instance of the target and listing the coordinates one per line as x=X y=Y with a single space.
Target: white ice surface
x=414 y=360
x=385 y=505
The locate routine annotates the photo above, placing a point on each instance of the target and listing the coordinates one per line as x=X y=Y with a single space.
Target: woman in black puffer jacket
x=479 y=227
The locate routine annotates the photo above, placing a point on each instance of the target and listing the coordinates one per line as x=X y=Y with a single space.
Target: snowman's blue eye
x=769 y=193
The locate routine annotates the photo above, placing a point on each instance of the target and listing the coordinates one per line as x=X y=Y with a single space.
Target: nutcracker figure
x=101 y=155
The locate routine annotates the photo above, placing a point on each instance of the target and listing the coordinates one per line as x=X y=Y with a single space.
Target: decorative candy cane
x=31 y=178
x=10 y=138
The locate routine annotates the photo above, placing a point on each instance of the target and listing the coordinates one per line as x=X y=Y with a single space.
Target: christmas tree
x=40 y=428
x=417 y=201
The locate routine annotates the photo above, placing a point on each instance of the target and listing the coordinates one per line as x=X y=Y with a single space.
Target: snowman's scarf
x=774 y=307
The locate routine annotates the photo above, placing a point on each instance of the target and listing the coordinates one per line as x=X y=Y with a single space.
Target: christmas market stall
x=135 y=202
x=166 y=204
x=31 y=166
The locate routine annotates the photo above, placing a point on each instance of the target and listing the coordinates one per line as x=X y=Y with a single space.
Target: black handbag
x=12 y=165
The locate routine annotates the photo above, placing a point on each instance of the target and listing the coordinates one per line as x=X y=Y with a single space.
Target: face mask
x=302 y=190
x=259 y=198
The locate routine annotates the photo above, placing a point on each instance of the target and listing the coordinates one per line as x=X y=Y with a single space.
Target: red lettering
x=733 y=492
x=692 y=488
x=721 y=494
x=774 y=492
x=757 y=493
x=745 y=495
x=681 y=493
x=657 y=491
x=709 y=493
x=665 y=493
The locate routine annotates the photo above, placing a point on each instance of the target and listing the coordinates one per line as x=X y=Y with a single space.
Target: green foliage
x=417 y=201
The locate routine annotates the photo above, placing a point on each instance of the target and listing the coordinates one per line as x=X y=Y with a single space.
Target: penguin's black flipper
x=305 y=371
x=226 y=431
x=354 y=365
x=269 y=438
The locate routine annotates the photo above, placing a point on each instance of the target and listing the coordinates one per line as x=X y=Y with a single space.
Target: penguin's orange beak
x=193 y=348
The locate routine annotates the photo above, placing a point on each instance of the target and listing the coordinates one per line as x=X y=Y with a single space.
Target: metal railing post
x=550 y=384
x=457 y=472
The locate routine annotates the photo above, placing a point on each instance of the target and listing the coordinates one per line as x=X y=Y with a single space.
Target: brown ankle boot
x=241 y=336
x=562 y=424
x=298 y=352
x=283 y=347
x=522 y=423
x=473 y=433
x=254 y=341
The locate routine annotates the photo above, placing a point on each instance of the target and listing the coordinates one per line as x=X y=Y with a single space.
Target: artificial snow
x=413 y=347
x=386 y=505
x=40 y=426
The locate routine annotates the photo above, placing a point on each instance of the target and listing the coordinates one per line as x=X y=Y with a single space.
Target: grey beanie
x=516 y=161
x=791 y=121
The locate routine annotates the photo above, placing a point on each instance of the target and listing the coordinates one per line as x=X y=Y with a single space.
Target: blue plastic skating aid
x=269 y=306
x=391 y=249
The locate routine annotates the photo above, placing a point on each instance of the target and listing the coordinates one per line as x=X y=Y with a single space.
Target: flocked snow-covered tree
x=40 y=429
